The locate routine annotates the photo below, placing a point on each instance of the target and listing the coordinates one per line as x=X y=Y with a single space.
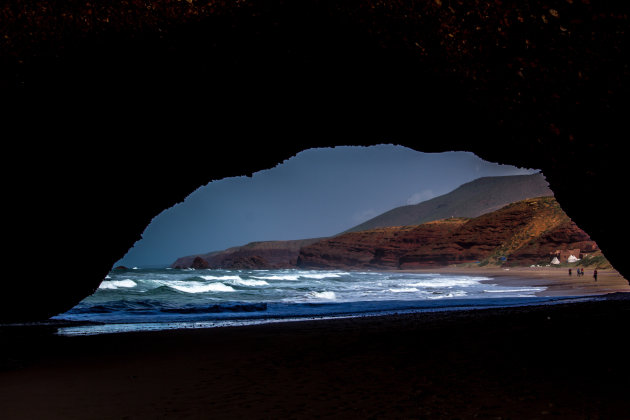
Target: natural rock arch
x=109 y=128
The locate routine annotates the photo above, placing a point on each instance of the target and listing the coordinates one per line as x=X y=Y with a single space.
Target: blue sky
x=317 y=193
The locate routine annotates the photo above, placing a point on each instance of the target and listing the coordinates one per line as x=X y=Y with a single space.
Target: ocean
x=157 y=299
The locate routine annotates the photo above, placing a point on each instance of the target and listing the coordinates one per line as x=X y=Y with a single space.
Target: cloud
x=421 y=196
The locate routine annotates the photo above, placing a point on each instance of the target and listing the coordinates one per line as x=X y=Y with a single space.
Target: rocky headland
x=520 y=234
x=254 y=255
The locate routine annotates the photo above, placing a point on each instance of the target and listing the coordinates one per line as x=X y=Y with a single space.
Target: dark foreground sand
x=566 y=361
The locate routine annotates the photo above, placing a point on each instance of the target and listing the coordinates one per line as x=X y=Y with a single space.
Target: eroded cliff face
x=118 y=112
x=523 y=233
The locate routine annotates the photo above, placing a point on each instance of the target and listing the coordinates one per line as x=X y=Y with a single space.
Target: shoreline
x=565 y=360
x=556 y=280
x=559 y=361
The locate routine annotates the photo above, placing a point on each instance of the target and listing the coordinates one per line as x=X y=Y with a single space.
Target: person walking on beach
x=595 y=275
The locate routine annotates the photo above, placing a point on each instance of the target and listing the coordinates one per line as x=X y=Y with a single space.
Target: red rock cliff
x=522 y=233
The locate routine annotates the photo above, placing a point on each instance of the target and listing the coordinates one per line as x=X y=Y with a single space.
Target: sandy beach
x=565 y=361
x=557 y=280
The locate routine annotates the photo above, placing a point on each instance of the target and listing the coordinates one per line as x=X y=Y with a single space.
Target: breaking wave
x=323 y=295
x=455 y=294
x=290 y=277
x=197 y=287
x=241 y=282
x=439 y=282
x=321 y=276
x=404 y=290
x=147 y=295
x=115 y=284
x=221 y=278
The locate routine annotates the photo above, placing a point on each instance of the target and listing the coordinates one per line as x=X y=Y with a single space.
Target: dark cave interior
x=105 y=128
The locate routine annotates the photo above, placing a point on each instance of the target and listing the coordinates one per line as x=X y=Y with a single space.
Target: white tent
x=555 y=260
x=573 y=258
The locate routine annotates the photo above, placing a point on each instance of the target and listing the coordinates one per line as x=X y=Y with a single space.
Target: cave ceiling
x=113 y=113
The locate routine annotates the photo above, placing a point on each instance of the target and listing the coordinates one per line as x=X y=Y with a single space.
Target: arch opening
x=306 y=234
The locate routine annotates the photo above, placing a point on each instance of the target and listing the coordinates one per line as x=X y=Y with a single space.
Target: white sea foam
x=198 y=287
x=222 y=278
x=115 y=284
x=441 y=282
x=245 y=282
x=291 y=277
x=458 y=293
x=287 y=292
x=404 y=290
x=321 y=276
x=323 y=295
x=125 y=283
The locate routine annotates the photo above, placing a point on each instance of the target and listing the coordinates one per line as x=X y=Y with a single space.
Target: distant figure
x=595 y=275
x=569 y=271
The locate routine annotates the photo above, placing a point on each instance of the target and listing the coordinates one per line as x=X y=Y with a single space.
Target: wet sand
x=567 y=361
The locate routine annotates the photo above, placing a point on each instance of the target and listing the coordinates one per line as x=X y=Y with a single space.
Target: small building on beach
x=566 y=255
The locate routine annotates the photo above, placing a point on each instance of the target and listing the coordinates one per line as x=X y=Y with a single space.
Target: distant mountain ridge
x=483 y=195
x=473 y=199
